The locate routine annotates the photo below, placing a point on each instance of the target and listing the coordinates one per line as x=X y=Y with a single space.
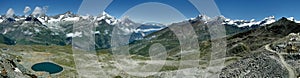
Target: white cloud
x=37 y=11
x=10 y=13
x=45 y=9
x=27 y=9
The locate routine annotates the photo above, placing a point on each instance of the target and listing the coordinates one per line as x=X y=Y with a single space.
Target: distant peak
x=203 y=17
x=284 y=19
x=106 y=14
x=291 y=18
x=221 y=16
x=270 y=17
x=154 y=24
x=126 y=19
x=68 y=12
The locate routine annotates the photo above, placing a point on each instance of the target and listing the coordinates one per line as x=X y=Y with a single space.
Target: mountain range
x=58 y=29
x=248 y=51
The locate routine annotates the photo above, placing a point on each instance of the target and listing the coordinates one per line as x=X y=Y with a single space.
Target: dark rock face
x=34 y=20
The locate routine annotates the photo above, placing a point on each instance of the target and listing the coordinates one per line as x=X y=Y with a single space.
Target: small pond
x=47 y=67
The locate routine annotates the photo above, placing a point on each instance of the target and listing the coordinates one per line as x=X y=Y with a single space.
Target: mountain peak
x=270 y=17
x=106 y=15
x=284 y=19
x=291 y=18
x=203 y=17
x=126 y=19
x=153 y=23
x=68 y=13
x=283 y=22
x=268 y=20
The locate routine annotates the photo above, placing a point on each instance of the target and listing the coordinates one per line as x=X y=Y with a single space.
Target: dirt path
x=287 y=66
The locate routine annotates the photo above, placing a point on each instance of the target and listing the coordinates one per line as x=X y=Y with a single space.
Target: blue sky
x=234 y=9
x=54 y=6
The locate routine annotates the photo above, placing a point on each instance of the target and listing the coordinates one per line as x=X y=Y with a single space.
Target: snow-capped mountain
x=201 y=17
x=68 y=16
x=238 y=23
x=293 y=19
x=39 y=28
x=107 y=18
x=247 y=23
x=267 y=20
x=55 y=22
x=137 y=31
x=1 y=19
x=146 y=29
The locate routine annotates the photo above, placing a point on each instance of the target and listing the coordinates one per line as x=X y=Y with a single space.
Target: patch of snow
x=106 y=31
x=143 y=34
x=232 y=23
x=5 y=31
x=53 y=20
x=97 y=32
x=17 y=19
x=226 y=20
x=42 y=20
x=26 y=22
x=297 y=21
x=17 y=70
x=37 y=30
x=85 y=17
x=252 y=22
x=22 y=18
x=1 y=20
x=204 y=17
x=114 y=22
x=241 y=23
x=76 y=34
x=291 y=18
x=101 y=18
x=54 y=33
x=27 y=32
x=108 y=21
x=108 y=18
x=268 y=20
x=148 y=30
x=106 y=14
x=249 y=24
x=74 y=19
